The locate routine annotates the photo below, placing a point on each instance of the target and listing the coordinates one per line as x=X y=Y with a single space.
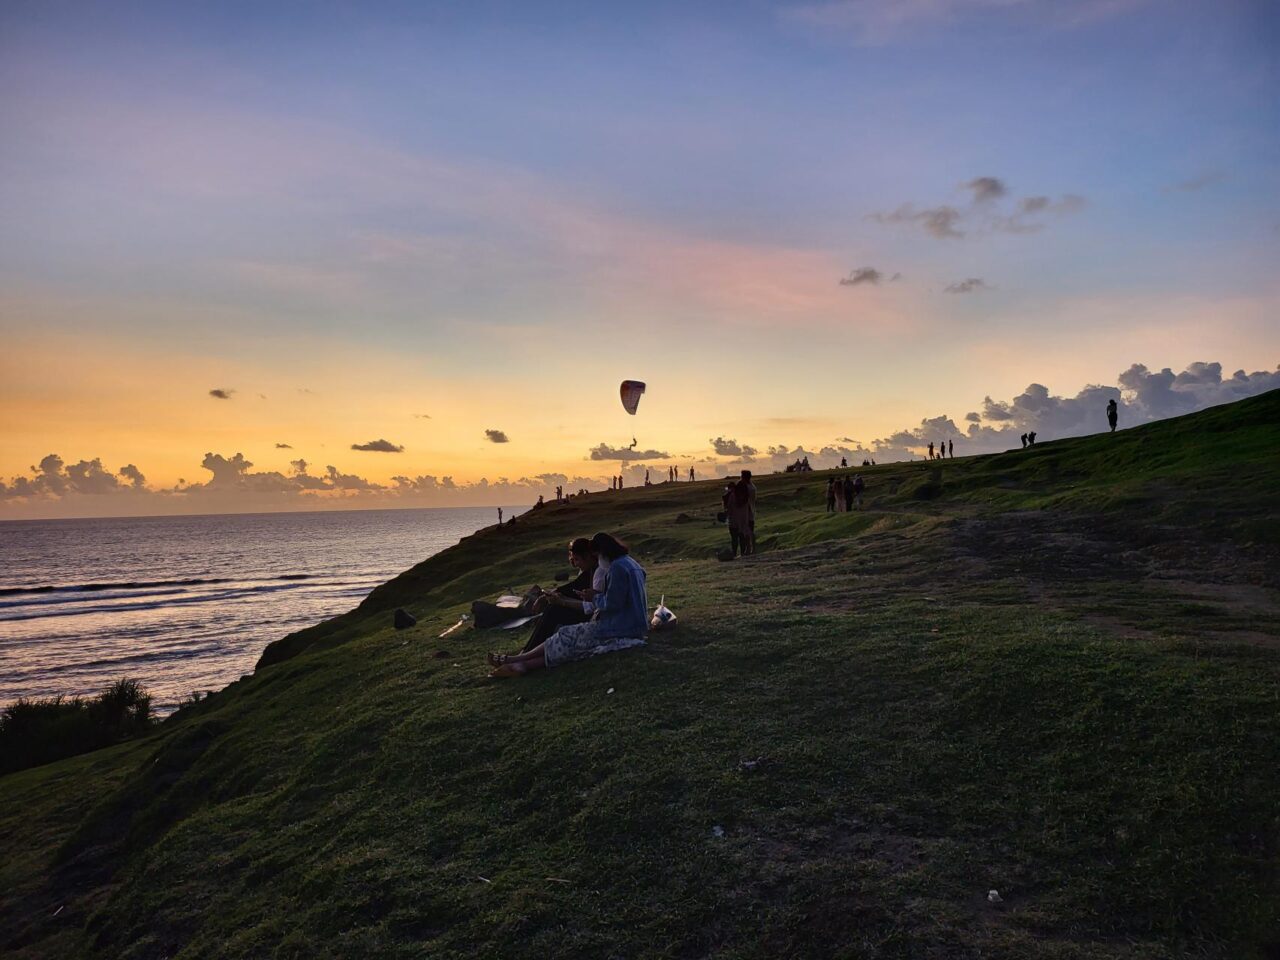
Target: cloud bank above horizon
x=87 y=487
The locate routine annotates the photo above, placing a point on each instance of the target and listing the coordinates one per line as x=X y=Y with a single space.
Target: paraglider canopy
x=630 y=392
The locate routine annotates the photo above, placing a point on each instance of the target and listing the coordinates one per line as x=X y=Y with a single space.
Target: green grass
x=1057 y=676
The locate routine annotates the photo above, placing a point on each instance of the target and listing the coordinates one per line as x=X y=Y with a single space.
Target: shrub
x=34 y=732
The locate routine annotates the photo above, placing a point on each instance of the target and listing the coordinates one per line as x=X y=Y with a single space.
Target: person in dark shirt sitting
x=564 y=605
x=620 y=618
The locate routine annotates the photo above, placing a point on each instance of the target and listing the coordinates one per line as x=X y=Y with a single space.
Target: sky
x=291 y=256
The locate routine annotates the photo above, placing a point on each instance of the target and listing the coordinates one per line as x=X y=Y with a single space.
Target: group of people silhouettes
x=845 y=493
x=673 y=475
x=945 y=449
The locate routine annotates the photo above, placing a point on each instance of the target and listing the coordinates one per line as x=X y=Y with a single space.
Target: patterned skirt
x=577 y=641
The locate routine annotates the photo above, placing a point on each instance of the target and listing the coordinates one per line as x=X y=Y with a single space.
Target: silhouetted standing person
x=930 y=449
x=735 y=537
x=1112 y=414
x=831 y=495
x=858 y=486
x=691 y=474
x=740 y=505
x=951 y=449
x=843 y=463
x=1024 y=441
x=1031 y=439
x=847 y=490
x=499 y=516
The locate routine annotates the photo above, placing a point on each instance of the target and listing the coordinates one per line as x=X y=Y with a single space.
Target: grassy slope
x=1054 y=673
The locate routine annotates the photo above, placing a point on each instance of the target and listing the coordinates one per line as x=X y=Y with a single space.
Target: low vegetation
x=1055 y=675
x=39 y=731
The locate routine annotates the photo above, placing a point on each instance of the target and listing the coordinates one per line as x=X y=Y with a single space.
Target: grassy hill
x=1054 y=673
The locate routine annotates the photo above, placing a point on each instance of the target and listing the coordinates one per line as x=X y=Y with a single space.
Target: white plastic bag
x=662 y=617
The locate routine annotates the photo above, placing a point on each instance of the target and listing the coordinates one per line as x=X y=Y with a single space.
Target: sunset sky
x=287 y=230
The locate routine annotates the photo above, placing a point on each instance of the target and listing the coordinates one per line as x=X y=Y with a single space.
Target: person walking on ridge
x=1112 y=414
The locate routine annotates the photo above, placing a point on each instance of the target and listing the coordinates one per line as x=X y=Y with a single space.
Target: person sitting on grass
x=568 y=603
x=620 y=618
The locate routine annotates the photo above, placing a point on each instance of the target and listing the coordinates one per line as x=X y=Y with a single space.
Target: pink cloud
x=521 y=227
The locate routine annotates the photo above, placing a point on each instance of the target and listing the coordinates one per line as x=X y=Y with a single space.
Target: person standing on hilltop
x=620 y=619
x=930 y=449
x=1031 y=439
x=726 y=500
x=1112 y=414
x=741 y=508
x=831 y=495
x=951 y=449
x=1024 y=441
x=499 y=516
x=691 y=474
x=846 y=488
x=858 y=486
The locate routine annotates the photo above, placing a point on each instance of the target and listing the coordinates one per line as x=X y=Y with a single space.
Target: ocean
x=188 y=603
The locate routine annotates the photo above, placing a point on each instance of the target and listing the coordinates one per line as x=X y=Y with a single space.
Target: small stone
x=403 y=619
x=609 y=691
x=993 y=896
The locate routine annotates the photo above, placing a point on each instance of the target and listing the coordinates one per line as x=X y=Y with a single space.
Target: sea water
x=188 y=603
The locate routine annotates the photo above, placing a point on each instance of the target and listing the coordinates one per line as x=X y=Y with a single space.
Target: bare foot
x=497 y=659
x=508 y=670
